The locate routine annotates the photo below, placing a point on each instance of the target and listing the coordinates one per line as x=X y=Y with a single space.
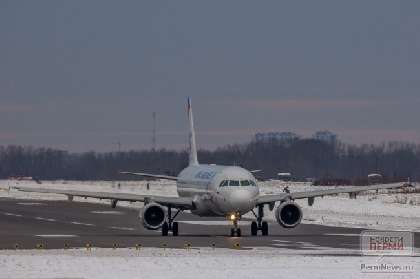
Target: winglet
x=192 y=147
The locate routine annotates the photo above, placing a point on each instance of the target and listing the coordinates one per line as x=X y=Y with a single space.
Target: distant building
x=285 y=176
x=287 y=137
x=326 y=136
x=281 y=136
x=19 y=177
x=375 y=178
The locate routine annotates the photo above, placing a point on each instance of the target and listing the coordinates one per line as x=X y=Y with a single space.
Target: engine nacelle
x=289 y=214
x=152 y=216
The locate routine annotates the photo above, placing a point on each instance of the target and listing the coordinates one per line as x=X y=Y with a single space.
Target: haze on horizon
x=85 y=75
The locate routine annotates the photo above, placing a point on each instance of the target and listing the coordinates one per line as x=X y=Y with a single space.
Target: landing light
x=232 y=216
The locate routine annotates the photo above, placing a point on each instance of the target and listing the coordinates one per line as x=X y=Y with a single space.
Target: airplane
x=213 y=190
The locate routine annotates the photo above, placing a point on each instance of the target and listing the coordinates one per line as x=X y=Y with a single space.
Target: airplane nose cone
x=241 y=201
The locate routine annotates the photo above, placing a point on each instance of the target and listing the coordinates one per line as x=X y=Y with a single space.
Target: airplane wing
x=319 y=193
x=176 y=202
x=151 y=175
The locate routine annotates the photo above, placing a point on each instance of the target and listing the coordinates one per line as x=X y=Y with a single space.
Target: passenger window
x=245 y=183
x=233 y=183
x=224 y=183
x=253 y=183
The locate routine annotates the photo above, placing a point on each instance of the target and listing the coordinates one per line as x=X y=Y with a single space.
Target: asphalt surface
x=55 y=223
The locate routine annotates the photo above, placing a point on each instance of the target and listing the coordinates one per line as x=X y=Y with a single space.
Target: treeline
x=303 y=158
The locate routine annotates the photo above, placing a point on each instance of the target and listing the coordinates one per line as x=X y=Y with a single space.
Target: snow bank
x=195 y=263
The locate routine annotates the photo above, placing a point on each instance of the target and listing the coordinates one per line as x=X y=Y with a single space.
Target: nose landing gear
x=235 y=230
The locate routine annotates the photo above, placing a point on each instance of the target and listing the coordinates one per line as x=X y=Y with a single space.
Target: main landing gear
x=170 y=225
x=259 y=225
x=235 y=230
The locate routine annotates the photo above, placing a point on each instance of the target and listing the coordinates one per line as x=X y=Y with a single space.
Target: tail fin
x=193 y=149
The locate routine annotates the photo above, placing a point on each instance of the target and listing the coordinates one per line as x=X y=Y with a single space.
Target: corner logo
x=386 y=243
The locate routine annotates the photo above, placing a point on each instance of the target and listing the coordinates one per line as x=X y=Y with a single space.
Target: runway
x=55 y=223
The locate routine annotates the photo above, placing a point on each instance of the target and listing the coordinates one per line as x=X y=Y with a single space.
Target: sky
x=87 y=75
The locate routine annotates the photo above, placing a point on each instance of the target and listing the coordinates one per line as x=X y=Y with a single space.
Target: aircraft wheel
x=165 y=229
x=254 y=228
x=175 y=228
x=238 y=232
x=264 y=228
x=232 y=232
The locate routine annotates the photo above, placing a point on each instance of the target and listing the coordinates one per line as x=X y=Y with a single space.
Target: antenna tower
x=154 y=132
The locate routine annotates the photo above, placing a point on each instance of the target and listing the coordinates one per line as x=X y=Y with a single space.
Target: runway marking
x=343 y=234
x=108 y=212
x=300 y=243
x=311 y=247
x=11 y=214
x=74 y=223
x=305 y=245
x=122 y=228
x=45 y=219
x=31 y=203
x=56 y=235
x=78 y=223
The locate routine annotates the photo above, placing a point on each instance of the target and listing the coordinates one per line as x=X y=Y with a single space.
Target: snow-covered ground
x=199 y=263
x=396 y=211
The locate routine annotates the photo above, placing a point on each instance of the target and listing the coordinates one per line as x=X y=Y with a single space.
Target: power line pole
x=119 y=143
x=119 y=146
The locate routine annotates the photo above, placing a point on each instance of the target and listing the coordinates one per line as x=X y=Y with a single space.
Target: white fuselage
x=218 y=190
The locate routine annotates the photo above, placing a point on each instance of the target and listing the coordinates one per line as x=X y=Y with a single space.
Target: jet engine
x=152 y=216
x=288 y=214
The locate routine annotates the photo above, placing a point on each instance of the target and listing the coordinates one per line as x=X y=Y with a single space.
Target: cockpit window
x=233 y=183
x=237 y=183
x=224 y=183
x=245 y=183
